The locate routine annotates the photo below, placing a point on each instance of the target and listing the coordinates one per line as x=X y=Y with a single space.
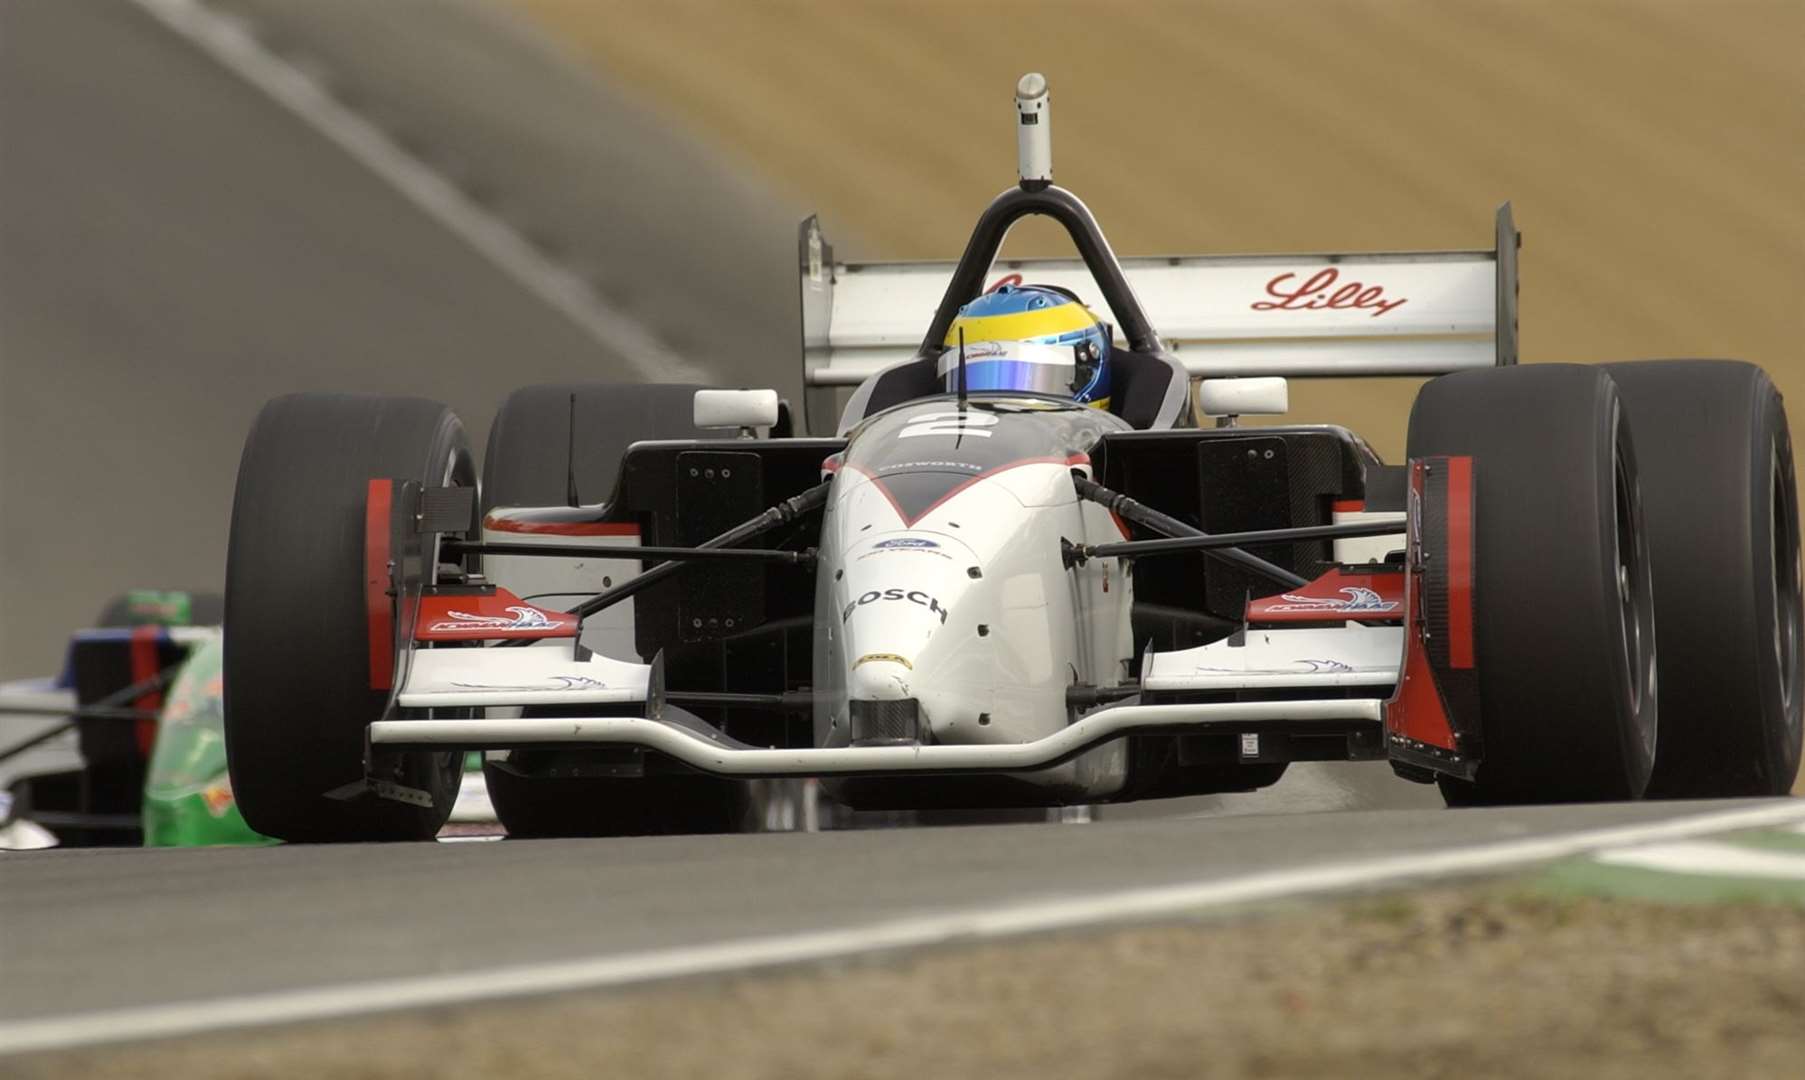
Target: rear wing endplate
x=1322 y=315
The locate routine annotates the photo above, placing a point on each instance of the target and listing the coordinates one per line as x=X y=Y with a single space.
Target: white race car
x=973 y=595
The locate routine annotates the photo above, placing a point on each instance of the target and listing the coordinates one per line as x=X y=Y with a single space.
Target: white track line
x=232 y=45
x=1714 y=860
x=977 y=924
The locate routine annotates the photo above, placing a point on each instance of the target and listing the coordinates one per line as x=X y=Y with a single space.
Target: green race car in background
x=126 y=745
x=187 y=790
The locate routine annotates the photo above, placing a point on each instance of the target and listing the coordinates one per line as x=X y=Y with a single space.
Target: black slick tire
x=297 y=667
x=531 y=456
x=1721 y=504
x=1564 y=638
x=532 y=460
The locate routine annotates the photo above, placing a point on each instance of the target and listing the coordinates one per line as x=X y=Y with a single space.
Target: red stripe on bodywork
x=1348 y=506
x=146 y=662
x=379 y=606
x=1460 y=562
x=909 y=522
x=498 y=523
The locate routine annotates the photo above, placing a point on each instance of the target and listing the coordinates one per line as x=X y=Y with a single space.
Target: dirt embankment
x=1447 y=984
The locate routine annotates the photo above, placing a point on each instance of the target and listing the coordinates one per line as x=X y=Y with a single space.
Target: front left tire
x=1564 y=641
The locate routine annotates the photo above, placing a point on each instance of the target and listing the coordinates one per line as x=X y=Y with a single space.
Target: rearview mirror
x=1244 y=397
x=736 y=408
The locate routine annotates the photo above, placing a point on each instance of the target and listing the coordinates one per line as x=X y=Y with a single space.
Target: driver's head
x=1036 y=338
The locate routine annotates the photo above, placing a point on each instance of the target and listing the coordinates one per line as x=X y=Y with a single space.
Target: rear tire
x=1723 y=523
x=297 y=669
x=1564 y=641
x=531 y=455
x=530 y=462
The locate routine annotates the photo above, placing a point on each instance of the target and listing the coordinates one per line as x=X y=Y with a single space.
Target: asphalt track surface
x=91 y=931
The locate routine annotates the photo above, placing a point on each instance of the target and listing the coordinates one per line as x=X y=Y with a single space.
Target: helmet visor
x=1030 y=367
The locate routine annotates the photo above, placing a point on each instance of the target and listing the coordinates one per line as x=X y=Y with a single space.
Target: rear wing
x=1322 y=315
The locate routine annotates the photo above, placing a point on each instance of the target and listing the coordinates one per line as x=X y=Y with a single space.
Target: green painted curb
x=1584 y=876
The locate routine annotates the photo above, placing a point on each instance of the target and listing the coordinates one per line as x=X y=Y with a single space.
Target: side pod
x=1432 y=721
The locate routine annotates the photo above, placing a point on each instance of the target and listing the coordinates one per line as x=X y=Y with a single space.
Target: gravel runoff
x=1482 y=981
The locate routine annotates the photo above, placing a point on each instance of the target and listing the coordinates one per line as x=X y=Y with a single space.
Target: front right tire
x=297 y=688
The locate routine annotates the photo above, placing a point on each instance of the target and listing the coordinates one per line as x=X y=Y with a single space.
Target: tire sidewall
x=297 y=684
x=1552 y=708
x=1771 y=450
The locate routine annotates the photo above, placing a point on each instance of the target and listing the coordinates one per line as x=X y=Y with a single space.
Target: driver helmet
x=1035 y=338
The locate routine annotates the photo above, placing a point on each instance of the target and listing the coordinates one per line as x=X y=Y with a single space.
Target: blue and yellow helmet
x=1034 y=338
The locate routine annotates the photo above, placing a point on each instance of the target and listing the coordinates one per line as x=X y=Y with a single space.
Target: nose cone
x=910 y=617
x=880 y=677
x=897 y=595
x=895 y=599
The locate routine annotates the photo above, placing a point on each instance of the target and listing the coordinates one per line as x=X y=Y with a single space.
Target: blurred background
x=203 y=205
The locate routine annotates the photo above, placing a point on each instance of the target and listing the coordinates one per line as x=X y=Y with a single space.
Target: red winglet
x=488 y=617
x=1417 y=714
x=1416 y=711
x=379 y=606
x=1337 y=596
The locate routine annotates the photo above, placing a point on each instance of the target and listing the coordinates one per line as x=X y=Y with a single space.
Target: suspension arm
x=782 y=514
x=459 y=548
x=1217 y=541
x=1166 y=525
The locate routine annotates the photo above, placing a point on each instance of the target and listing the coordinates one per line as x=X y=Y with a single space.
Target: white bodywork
x=1351 y=654
x=899 y=612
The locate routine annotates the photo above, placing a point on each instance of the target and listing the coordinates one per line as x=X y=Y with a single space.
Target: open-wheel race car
x=1017 y=572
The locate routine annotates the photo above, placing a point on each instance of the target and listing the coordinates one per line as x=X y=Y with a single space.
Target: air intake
x=886 y=723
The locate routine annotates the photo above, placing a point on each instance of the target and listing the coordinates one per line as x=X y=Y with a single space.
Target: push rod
x=457 y=548
x=1118 y=503
x=783 y=513
x=36 y=740
x=110 y=707
x=1134 y=549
